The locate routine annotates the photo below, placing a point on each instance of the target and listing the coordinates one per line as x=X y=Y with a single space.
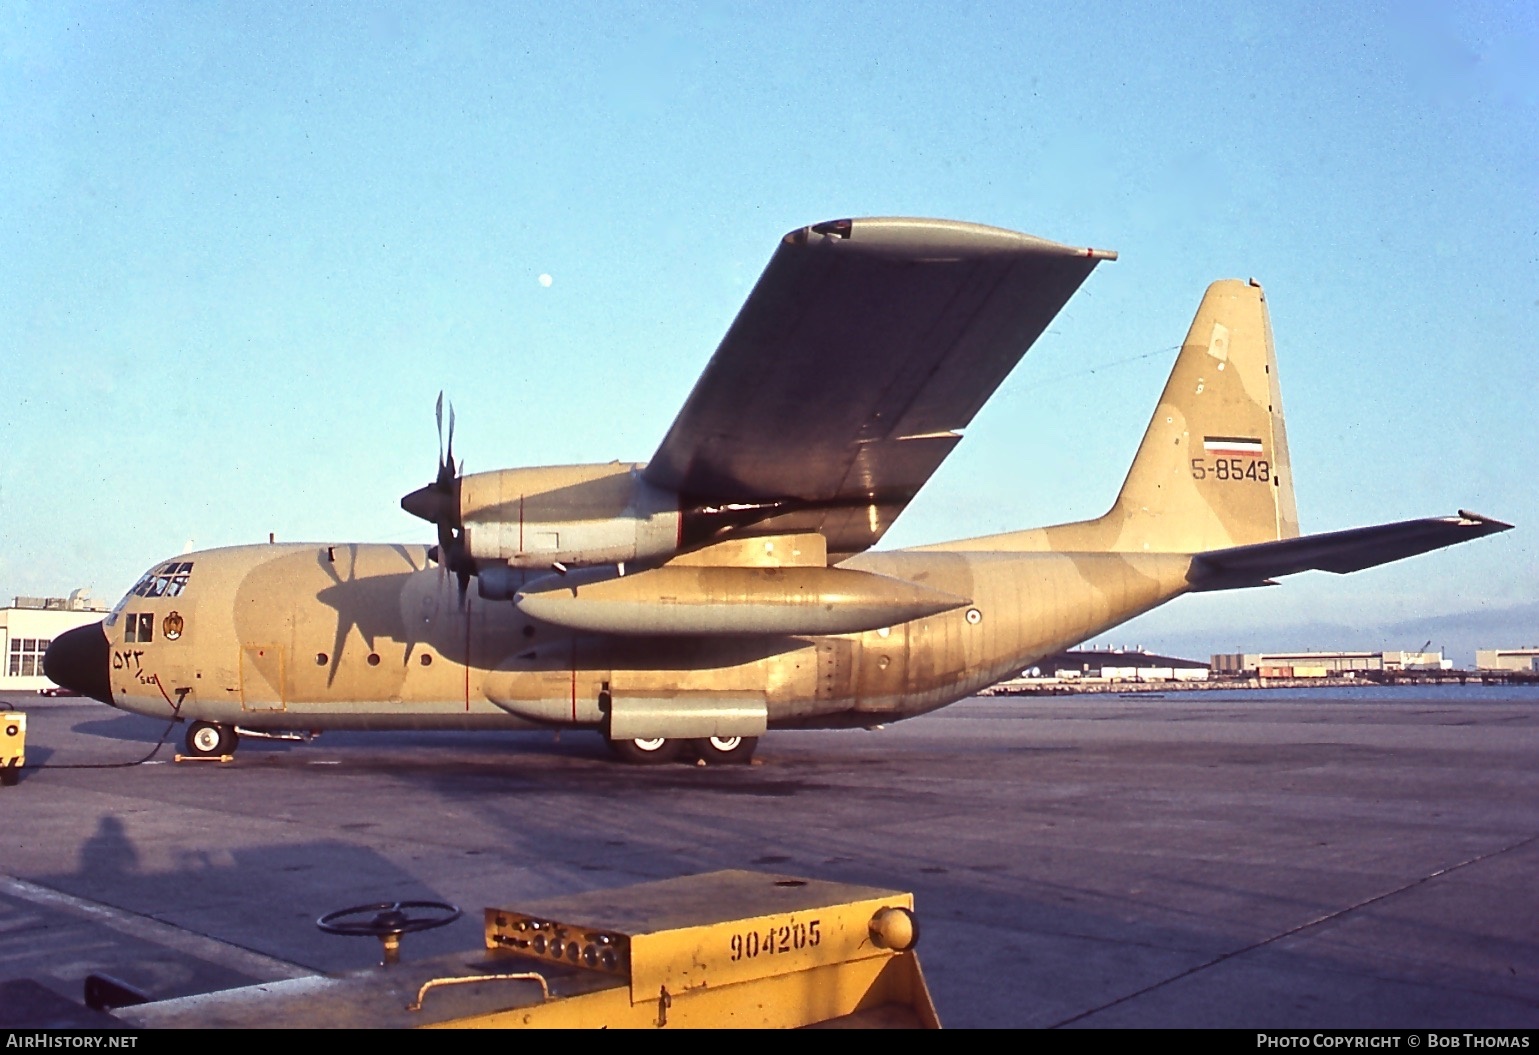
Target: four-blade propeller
x=439 y=503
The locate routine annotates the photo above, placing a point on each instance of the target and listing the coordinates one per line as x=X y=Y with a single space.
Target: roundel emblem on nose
x=171 y=626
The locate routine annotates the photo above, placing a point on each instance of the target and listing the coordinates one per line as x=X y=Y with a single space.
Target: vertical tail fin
x=1213 y=469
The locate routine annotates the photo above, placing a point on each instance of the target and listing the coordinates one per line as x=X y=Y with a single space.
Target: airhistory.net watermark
x=36 y=1039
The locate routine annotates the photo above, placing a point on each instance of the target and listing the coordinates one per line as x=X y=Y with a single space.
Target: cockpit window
x=167 y=580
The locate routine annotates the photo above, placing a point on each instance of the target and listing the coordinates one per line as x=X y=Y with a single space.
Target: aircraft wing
x=1336 y=551
x=863 y=349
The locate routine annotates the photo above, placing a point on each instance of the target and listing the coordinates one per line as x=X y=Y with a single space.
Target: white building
x=1092 y=665
x=27 y=628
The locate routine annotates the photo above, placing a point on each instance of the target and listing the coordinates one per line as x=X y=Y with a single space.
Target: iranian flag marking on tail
x=1232 y=446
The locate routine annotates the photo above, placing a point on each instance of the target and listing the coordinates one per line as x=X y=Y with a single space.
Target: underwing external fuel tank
x=728 y=601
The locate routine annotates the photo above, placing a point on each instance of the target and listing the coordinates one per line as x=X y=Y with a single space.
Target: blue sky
x=245 y=245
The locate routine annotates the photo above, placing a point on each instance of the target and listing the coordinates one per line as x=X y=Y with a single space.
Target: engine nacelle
x=573 y=515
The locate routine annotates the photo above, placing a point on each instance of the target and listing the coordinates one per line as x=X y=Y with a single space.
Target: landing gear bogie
x=712 y=750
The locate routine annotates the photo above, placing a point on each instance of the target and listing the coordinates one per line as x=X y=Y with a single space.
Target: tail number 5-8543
x=1232 y=469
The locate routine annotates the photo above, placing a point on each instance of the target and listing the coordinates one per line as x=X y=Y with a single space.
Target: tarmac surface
x=1256 y=860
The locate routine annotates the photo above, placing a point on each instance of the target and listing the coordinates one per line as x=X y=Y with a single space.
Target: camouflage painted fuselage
x=370 y=636
x=373 y=636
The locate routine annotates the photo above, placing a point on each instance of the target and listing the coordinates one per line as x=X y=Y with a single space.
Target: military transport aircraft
x=689 y=603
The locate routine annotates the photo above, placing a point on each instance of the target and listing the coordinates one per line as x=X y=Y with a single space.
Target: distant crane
x=1420 y=655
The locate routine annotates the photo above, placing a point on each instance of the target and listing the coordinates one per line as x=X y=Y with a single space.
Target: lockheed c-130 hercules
x=725 y=587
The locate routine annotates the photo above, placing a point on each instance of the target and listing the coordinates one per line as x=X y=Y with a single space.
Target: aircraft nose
x=78 y=660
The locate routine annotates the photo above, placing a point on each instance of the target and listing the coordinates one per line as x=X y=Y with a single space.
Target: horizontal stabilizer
x=1335 y=551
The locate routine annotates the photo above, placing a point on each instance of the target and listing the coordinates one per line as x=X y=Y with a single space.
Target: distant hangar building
x=1520 y=659
x=29 y=625
x=1322 y=664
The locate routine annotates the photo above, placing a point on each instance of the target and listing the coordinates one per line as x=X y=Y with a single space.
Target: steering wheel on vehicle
x=387 y=921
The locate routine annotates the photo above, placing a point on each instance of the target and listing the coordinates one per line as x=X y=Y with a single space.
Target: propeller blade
x=438 y=415
x=439 y=502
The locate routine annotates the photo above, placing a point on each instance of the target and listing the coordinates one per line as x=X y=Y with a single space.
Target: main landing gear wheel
x=647 y=752
x=724 y=750
x=210 y=740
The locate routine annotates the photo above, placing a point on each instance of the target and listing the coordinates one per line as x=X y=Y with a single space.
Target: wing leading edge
x=862 y=350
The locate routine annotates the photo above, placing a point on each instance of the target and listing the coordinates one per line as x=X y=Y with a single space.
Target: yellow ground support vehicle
x=13 y=746
x=727 y=949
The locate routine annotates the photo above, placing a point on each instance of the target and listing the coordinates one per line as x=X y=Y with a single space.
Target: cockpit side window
x=139 y=628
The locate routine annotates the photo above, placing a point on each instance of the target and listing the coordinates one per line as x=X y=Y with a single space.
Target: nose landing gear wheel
x=647 y=752
x=724 y=750
x=209 y=739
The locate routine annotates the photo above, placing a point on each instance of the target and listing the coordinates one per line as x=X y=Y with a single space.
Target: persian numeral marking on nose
x=123 y=660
